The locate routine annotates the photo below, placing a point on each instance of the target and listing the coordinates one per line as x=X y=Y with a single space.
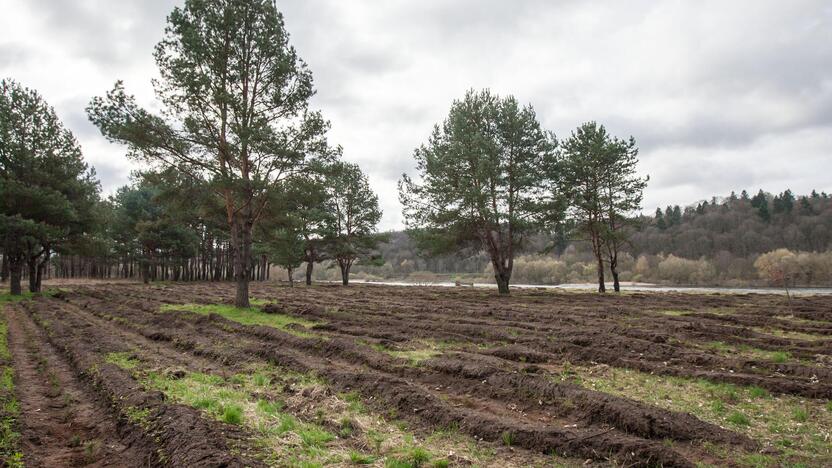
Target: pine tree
x=660 y=222
x=621 y=196
x=236 y=99
x=488 y=179
x=677 y=215
x=354 y=217
x=48 y=194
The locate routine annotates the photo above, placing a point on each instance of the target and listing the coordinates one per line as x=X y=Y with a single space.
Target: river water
x=624 y=287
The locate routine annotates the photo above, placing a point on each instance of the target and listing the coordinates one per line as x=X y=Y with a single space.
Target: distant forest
x=712 y=242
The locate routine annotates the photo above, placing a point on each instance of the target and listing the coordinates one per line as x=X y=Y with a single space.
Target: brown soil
x=64 y=425
x=492 y=375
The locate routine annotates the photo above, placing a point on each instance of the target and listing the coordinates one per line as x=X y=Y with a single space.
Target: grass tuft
x=247 y=316
x=738 y=418
x=9 y=407
x=123 y=360
x=800 y=415
x=232 y=414
x=357 y=458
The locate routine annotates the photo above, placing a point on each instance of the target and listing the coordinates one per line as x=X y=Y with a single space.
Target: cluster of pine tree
x=739 y=225
x=242 y=174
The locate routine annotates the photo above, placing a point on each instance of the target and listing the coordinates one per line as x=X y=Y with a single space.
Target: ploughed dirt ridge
x=487 y=366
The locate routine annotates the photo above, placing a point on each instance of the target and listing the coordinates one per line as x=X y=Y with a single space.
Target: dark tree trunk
x=242 y=259
x=15 y=267
x=32 y=263
x=345 y=271
x=289 y=272
x=602 y=288
x=309 y=267
x=502 y=275
x=145 y=266
x=4 y=269
x=42 y=266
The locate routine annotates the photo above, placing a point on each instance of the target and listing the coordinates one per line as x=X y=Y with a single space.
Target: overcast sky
x=720 y=95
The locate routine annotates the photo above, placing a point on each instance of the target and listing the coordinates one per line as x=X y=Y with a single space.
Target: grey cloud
x=107 y=32
x=719 y=95
x=11 y=54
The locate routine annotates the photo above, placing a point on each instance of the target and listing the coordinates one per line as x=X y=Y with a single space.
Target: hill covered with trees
x=716 y=242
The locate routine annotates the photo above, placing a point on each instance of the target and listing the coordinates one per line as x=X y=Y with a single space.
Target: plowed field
x=171 y=375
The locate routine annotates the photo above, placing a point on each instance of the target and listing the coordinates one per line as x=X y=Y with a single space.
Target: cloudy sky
x=720 y=95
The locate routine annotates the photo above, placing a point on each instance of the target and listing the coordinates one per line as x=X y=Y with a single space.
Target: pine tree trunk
x=309 y=267
x=345 y=272
x=242 y=259
x=502 y=277
x=4 y=269
x=32 y=263
x=15 y=267
x=289 y=272
x=616 y=286
x=602 y=288
x=42 y=266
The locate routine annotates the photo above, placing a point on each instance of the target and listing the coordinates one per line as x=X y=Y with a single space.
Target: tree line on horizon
x=712 y=242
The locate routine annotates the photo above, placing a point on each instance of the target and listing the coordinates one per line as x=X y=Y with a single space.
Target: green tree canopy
x=353 y=216
x=600 y=181
x=483 y=181
x=48 y=194
x=236 y=111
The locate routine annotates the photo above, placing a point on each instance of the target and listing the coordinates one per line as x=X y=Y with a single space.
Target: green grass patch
x=738 y=418
x=8 y=297
x=138 y=415
x=232 y=414
x=357 y=458
x=427 y=350
x=780 y=357
x=790 y=335
x=800 y=427
x=123 y=360
x=748 y=352
x=9 y=407
x=248 y=316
